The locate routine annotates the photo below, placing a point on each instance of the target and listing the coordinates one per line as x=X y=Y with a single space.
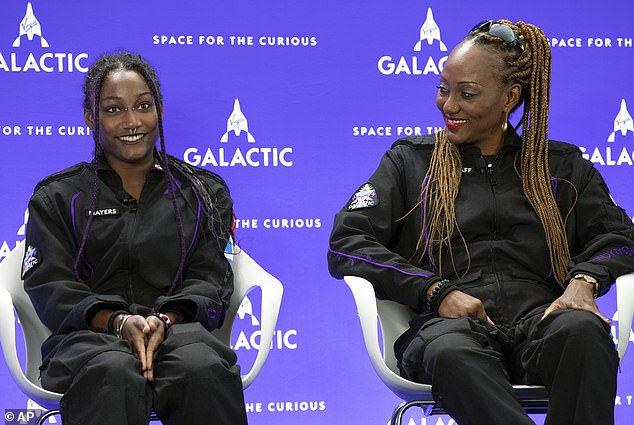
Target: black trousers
x=472 y=366
x=196 y=381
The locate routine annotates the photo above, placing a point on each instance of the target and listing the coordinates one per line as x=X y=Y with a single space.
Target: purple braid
x=95 y=184
x=171 y=185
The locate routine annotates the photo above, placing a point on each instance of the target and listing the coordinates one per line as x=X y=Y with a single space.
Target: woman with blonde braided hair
x=499 y=241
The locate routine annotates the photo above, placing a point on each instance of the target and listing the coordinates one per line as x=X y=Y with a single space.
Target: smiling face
x=128 y=123
x=473 y=99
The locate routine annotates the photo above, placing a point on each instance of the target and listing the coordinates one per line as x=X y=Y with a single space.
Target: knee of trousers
x=196 y=362
x=578 y=327
x=448 y=353
x=116 y=368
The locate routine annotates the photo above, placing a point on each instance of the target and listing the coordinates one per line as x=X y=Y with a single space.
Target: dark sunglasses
x=499 y=30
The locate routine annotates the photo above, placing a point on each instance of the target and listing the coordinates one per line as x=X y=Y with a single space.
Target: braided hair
x=530 y=67
x=93 y=83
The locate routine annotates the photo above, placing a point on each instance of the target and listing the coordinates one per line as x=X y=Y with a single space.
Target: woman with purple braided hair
x=497 y=240
x=127 y=268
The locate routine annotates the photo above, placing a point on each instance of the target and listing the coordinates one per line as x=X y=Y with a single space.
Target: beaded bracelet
x=167 y=323
x=111 y=320
x=438 y=294
x=120 y=324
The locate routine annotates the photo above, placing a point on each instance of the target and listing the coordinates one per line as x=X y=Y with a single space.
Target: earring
x=505 y=124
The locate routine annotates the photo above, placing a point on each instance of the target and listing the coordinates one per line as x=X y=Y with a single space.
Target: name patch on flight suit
x=365 y=197
x=103 y=211
x=32 y=259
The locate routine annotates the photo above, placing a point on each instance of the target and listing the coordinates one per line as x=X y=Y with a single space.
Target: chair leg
x=397 y=415
x=47 y=415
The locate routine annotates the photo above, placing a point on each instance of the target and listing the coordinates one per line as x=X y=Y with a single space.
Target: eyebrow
x=145 y=93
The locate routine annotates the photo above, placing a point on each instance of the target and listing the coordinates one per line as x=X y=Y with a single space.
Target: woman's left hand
x=154 y=336
x=578 y=295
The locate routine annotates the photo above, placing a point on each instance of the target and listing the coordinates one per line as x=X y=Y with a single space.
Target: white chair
x=248 y=275
x=393 y=320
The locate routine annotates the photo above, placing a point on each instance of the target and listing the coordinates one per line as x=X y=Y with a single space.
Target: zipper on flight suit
x=133 y=206
x=492 y=180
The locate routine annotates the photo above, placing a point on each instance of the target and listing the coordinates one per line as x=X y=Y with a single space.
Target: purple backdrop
x=325 y=88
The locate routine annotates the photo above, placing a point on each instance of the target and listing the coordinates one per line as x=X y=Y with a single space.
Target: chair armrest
x=45 y=398
x=247 y=270
x=365 y=299
x=625 y=307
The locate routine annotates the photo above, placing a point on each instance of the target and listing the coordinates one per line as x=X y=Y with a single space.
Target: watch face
x=587 y=278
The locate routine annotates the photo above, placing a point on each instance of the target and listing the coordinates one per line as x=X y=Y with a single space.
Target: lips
x=132 y=139
x=452 y=123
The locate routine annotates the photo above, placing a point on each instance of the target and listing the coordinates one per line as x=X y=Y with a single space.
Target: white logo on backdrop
x=22 y=229
x=237 y=123
x=430 y=31
x=5 y=247
x=418 y=64
x=246 y=308
x=614 y=154
x=614 y=330
x=235 y=156
x=249 y=338
x=30 y=26
x=23 y=60
x=623 y=122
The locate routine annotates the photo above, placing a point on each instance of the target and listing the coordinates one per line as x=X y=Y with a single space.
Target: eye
x=442 y=90
x=144 y=107
x=112 y=109
x=467 y=94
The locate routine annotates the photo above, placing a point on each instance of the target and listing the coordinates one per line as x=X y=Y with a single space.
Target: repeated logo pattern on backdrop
x=293 y=104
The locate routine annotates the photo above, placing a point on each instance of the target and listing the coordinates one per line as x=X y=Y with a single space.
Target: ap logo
x=30 y=27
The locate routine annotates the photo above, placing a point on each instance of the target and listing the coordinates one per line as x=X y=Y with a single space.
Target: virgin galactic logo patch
x=365 y=197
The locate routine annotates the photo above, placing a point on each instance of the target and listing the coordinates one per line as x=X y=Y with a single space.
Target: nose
x=451 y=105
x=131 y=120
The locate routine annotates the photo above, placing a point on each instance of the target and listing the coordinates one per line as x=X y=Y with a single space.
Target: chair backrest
x=394 y=321
x=33 y=329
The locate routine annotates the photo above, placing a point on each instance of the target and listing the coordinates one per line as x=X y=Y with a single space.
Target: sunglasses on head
x=500 y=30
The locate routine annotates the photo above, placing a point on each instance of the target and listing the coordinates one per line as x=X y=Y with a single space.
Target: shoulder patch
x=32 y=259
x=365 y=197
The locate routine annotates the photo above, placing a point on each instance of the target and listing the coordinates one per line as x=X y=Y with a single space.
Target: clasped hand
x=145 y=335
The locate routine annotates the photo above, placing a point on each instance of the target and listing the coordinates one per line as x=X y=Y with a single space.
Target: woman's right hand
x=459 y=304
x=135 y=330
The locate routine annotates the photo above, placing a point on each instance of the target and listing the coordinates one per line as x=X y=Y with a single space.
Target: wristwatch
x=590 y=280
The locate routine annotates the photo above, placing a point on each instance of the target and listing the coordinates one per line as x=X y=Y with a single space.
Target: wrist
x=431 y=289
x=438 y=293
x=119 y=323
x=165 y=319
x=588 y=280
x=109 y=316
